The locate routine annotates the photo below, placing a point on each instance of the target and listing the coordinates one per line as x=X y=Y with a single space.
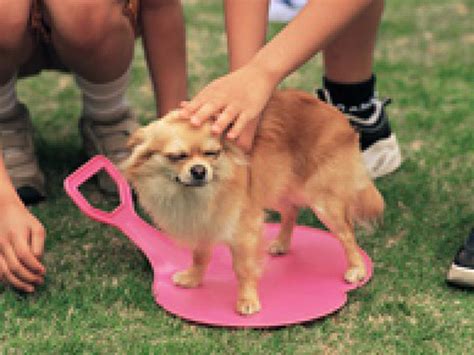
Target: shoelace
x=371 y=123
x=325 y=96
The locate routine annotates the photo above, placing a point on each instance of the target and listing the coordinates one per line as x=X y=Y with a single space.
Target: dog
x=201 y=189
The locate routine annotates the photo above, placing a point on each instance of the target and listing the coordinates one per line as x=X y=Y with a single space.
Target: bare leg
x=349 y=57
x=16 y=43
x=281 y=244
x=166 y=57
x=193 y=276
x=101 y=53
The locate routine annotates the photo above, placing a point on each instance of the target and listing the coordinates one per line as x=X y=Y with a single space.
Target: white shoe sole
x=382 y=157
x=461 y=276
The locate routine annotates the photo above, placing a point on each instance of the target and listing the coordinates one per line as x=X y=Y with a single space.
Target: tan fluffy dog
x=202 y=190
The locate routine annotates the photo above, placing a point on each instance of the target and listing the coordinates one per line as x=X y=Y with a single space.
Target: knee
x=13 y=30
x=86 y=24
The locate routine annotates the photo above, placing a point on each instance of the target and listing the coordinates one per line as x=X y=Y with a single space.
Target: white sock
x=8 y=98
x=105 y=101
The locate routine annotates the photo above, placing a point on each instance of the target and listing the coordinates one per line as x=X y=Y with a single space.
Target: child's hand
x=21 y=247
x=236 y=99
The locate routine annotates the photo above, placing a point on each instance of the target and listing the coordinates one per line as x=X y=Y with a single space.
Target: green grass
x=97 y=295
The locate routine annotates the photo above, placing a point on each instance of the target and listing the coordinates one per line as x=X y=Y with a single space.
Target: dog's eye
x=148 y=154
x=177 y=157
x=212 y=153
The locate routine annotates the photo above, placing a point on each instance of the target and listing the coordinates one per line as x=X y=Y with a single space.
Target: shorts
x=44 y=55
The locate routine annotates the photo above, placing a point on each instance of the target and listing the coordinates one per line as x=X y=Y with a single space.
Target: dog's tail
x=368 y=207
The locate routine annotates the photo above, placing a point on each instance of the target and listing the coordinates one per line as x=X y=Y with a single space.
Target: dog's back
x=303 y=143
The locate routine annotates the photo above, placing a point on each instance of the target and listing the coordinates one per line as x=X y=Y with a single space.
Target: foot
x=108 y=138
x=379 y=146
x=248 y=305
x=277 y=247
x=187 y=278
x=461 y=272
x=16 y=139
x=355 y=274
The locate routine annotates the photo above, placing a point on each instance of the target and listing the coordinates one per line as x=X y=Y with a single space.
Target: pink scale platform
x=303 y=285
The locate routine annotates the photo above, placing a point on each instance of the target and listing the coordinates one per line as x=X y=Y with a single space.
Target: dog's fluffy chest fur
x=189 y=214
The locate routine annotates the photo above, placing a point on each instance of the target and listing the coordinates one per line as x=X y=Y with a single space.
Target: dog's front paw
x=248 y=306
x=187 y=278
x=355 y=274
x=277 y=247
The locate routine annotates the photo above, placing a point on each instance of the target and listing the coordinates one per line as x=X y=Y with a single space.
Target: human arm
x=21 y=239
x=240 y=96
x=245 y=36
x=246 y=25
x=163 y=35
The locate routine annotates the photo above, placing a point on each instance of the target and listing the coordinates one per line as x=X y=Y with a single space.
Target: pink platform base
x=303 y=285
x=306 y=284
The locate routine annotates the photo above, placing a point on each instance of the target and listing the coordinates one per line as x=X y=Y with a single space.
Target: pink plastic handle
x=153 y=244
x=85 y=172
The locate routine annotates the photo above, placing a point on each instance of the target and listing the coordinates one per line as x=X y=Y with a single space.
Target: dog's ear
x=137 y=157
x=137 y=137
x=235 y=152
x=138 y=151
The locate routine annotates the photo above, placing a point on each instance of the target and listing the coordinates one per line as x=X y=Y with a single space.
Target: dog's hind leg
x=281 y=244
x=193 y=276
x=334 y=215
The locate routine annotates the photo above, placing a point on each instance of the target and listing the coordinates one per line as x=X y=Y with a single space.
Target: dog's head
x=173 y=149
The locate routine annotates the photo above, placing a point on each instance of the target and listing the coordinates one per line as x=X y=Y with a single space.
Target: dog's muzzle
x=198 y=176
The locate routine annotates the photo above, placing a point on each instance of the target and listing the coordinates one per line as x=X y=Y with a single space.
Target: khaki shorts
x=44 y=55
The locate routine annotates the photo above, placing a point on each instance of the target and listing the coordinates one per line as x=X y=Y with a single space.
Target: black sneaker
x=461 y=272
x=378 y=144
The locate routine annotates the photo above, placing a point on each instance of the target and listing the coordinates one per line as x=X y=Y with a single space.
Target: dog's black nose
x=198 y=172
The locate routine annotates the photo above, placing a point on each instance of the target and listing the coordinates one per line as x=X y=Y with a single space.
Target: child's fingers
x=185 y=110
x=12 y=279
x=38 y=235
x=246 y=137
x=191 y=107
x=17 y=268
x=239 y=125
x=225 y=119
x=245 y=142
x=204 y=113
